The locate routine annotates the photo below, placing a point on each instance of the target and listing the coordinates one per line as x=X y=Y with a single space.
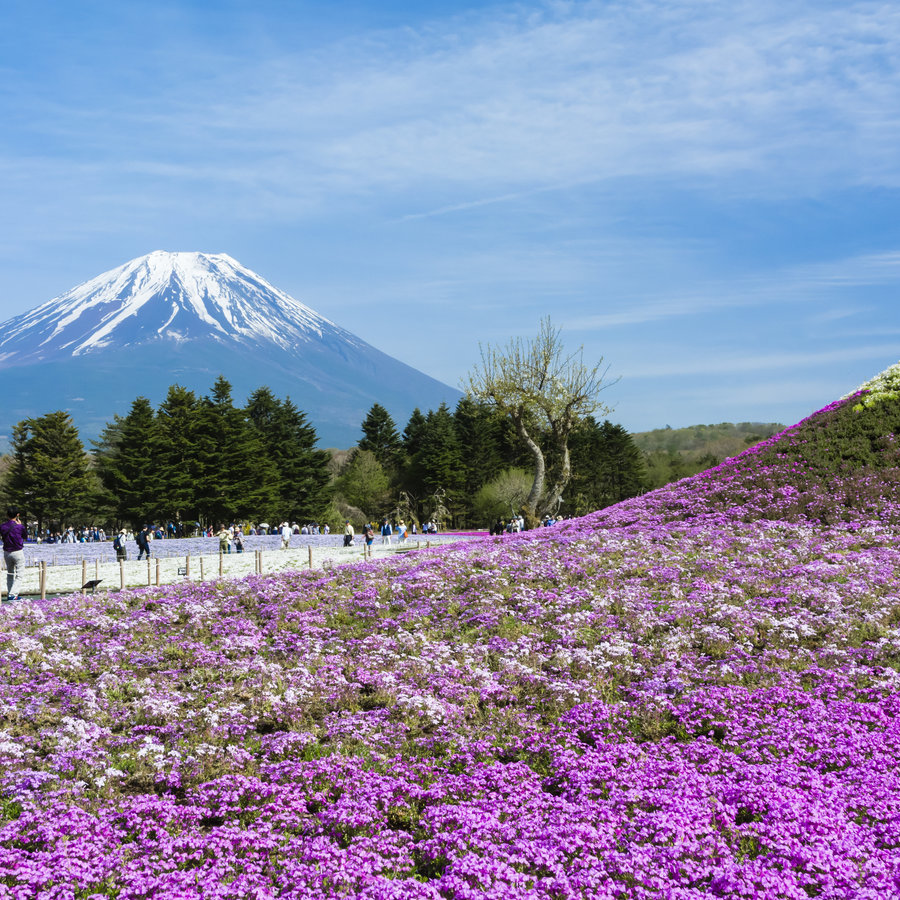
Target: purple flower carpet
x=692 y=694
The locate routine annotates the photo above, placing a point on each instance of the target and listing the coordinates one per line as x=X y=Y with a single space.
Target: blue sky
x=703 y=193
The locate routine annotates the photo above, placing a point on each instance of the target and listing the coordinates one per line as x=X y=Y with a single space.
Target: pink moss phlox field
x=683 y=696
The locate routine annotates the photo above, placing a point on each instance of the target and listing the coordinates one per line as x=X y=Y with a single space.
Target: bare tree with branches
x=546 y=392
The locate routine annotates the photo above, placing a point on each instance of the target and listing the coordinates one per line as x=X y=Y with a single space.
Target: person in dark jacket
x=143 y=542
x=13 y=533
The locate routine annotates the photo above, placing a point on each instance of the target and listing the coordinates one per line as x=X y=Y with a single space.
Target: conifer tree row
x=202 y=459
x=448 y=458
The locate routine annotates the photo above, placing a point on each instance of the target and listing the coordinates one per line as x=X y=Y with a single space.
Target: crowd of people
x=388 y=529
x=517 y=524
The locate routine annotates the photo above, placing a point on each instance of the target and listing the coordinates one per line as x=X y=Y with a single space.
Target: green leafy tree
x=537 y=378
x=50 y=477
x=364 y=484
x=502 y=497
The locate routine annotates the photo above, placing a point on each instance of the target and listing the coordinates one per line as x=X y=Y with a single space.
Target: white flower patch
x=10 y=748
x=23 y=645
x=425 y=706
x=63 y=659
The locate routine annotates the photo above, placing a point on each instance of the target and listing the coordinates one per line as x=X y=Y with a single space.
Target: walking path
x=61 y=578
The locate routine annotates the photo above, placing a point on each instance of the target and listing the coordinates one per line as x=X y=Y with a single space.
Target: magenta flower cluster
x=680 y=697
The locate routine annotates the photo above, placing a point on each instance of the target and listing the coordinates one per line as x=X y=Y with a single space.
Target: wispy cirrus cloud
x=760 y=96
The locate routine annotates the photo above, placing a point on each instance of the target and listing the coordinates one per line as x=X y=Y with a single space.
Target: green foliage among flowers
x=694 y=693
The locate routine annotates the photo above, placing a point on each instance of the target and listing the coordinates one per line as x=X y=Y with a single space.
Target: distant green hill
x=673 y=453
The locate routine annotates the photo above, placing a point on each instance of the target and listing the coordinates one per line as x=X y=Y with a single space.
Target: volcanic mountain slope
x=186 y=318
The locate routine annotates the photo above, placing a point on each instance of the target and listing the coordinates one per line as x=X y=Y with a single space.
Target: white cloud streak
x=755 y=95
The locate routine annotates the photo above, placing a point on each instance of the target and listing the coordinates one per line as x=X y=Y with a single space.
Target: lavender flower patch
x=670 y=698
x=71 y=554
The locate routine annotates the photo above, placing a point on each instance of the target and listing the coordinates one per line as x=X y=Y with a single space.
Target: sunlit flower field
x=692 y=694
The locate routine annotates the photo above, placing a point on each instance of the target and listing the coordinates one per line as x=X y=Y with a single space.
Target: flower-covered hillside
x=674 y=698
x=841 y=464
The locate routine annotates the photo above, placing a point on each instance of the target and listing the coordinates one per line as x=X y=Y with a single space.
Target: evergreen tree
x=438 y=464
x=289 y=442
x=181 y=466
x=126 y=461
x=240 y=480
x=607 y=467
x=50 y=477
x=412 y=434
x=380 y=437
x=479 y=432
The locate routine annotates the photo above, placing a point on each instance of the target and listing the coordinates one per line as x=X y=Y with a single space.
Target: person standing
x=143 y=542
x=224 y=536
x=348 y=534
x=386 y=532
x=119 y=546
x=285 y=535
x=13 y=533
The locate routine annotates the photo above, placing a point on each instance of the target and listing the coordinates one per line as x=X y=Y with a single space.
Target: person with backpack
x=14 y=535
x=119 y=546
x=143 y=542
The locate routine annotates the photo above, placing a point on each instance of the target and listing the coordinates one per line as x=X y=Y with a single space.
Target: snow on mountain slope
x=165 y=297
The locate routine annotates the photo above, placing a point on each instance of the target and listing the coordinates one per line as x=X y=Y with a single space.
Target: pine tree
x=126 y=461
x=50 y=478
x=607 y=467
x=438 y=464
x=478 y=430
x=380 y=437
x=412 y=434
x=240 y=481
x=289 y=442
x=182 y=466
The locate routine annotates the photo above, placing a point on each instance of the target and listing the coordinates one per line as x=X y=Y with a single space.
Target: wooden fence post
x=150 y=572
x=221 y=562
x=310 y=555
x=83 y=570
x=44 y=580
x=157 y=570
x=121 y=575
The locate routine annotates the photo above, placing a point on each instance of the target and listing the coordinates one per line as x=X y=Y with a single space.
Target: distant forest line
x=204 y=459
x=674 y=453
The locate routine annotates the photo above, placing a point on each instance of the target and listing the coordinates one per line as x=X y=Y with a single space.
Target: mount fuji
x=186 y=318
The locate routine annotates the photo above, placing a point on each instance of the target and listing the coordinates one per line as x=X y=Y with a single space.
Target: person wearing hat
x=119 y=546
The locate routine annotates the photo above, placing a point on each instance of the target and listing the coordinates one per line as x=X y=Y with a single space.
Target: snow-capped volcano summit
x=164 y=297
x=186 y=318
